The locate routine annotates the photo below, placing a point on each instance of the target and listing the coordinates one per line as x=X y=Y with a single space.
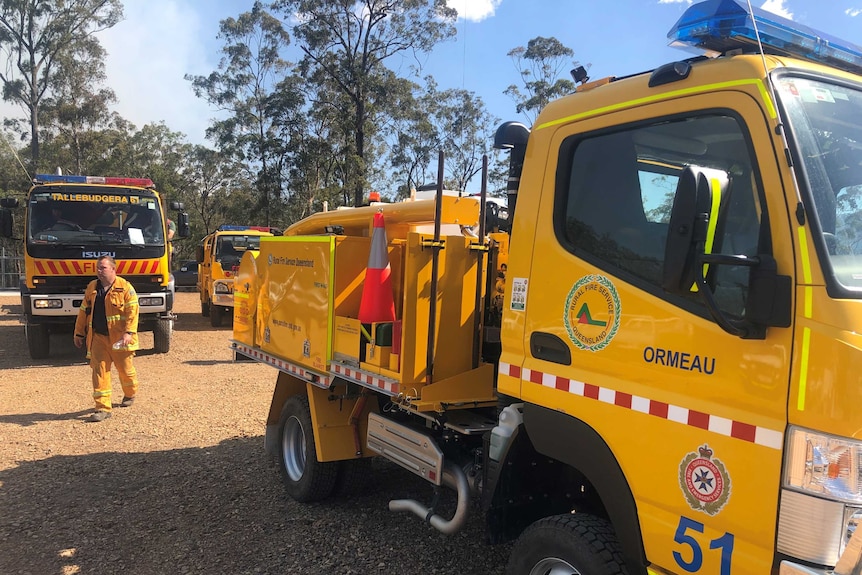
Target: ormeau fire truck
x=70 y=222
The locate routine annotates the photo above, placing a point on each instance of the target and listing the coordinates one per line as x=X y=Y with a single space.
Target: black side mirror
x=5 y=223
x=183 y=228
x=8 y=203
x=691 y=257
x=694 y=225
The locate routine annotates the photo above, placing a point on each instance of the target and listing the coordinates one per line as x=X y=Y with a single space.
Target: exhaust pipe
x=455 y=478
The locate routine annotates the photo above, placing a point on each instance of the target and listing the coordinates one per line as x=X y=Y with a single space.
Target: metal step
x=411 y=449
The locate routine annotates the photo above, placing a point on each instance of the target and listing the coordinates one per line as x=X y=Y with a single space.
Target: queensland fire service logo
x=592 y=314
x=704 y=481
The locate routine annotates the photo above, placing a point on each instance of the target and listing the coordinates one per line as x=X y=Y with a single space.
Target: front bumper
x=850 y=562
x=67 y=305
x=223 y=292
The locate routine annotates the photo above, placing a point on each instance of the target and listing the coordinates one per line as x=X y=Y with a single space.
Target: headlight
x=150 y=301
x=47 y=303
x=819 y=509
x=825 y=465
x=222 y=288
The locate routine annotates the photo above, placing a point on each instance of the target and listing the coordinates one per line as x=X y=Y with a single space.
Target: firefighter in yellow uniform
x=109 y=316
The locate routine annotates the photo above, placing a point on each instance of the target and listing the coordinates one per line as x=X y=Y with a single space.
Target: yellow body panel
x=246 y=289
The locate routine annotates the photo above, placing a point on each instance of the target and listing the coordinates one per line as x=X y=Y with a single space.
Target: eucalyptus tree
x=348 y=43
x=413 y=137
x=541 y=66
x=34 y=34
x=454 y=121
x=467 y=131
x=78 y=107
x=244 y=87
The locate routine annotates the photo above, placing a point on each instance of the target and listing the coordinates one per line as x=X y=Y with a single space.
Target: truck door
x=693 y=415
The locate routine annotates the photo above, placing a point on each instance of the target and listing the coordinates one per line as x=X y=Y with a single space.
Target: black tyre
x=354 y=478
x=567 y=544
x=305 y=478
x=38 y=340
x=162 y=336
x=205 y=308
x=216 y=315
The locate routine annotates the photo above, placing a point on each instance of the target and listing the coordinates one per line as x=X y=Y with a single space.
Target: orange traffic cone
x=378 y=303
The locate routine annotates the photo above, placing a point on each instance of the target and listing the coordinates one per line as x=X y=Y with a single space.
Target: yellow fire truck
x=671 y=383
x=70 y=221
x=219 y=254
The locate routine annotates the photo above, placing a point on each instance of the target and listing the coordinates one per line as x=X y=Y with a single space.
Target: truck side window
x=617 y=191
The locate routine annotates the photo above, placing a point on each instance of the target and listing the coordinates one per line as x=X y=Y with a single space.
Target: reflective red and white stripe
x=713 y=423
x=287 y=367
x=366 y=379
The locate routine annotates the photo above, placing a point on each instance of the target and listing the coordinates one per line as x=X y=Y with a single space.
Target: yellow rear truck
x=660 y=373
x=218 y=257
x=70 y=221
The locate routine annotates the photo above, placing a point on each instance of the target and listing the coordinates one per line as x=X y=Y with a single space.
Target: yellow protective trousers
x=102 y=357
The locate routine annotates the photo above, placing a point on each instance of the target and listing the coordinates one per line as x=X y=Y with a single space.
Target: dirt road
x=179 y=483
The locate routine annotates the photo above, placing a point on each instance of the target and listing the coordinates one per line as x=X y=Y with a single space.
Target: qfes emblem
x=704 y=481
x=592 y=313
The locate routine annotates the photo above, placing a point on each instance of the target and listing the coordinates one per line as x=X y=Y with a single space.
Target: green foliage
x=289 y=140
x=540 y=66
x=346 y=46
x=245 y=87
x=35 y=35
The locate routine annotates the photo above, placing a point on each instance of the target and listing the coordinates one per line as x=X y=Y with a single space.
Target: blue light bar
x=53 y=178
x=229 y=228
x=723 y=25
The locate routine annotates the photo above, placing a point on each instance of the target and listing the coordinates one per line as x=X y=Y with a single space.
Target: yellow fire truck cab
x=71 y=221
x=218 y=257
x=672 y=382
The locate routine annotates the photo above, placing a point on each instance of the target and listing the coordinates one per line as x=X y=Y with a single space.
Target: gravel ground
x=179 y=483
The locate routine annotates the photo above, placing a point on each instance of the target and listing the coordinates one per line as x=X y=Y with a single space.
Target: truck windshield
x=129 y=220
x=229 y=249
x=826 y=123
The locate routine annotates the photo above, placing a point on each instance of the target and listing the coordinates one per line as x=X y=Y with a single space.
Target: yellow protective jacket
x=121 y=310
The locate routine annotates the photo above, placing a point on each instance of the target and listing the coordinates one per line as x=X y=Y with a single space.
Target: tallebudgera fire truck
x=672 y=382
x=70 y=221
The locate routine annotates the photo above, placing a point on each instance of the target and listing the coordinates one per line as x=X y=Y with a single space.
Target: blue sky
x=161 y=40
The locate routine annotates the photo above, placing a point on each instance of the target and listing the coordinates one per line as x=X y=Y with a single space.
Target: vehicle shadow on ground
x=26 y=419
x=197 y=322
x=218 y=509
x=12 y=309
x=14 y=353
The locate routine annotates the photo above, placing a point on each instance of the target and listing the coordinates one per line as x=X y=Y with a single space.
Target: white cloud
x=149 y=52
x=853 y=12
x=674 y=1
x=778 y=7
x=474 y=10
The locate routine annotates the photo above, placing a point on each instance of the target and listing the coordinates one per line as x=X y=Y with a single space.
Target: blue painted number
x=692 y=559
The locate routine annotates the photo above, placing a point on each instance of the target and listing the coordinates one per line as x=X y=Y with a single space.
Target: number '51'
x=684 y=538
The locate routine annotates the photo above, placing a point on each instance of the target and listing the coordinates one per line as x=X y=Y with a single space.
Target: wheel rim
x=553 y=566
x=293 y=448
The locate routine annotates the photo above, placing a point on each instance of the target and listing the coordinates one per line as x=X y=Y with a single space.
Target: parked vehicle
x=186 y=276
x=656 y=373
x=219 y=254
x=69 y=222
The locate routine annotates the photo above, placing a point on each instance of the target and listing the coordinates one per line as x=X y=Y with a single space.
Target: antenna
x=771 y=87
x=20 y=163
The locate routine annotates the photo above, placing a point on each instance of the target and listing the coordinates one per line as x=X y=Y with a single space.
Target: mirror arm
x=741 y=329
x=729 y=260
